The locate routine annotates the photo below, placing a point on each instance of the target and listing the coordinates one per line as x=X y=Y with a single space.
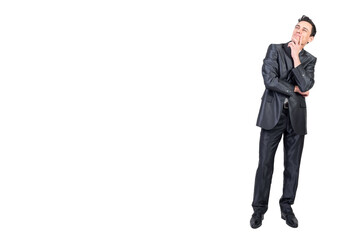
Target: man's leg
x=293 y=146
x=269 y=141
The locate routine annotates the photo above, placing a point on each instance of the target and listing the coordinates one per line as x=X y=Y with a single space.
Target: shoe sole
x=255 y=227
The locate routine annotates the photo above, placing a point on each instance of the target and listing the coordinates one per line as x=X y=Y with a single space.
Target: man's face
x=302 y=32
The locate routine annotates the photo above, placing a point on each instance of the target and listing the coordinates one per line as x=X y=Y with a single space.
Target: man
x=288 y=73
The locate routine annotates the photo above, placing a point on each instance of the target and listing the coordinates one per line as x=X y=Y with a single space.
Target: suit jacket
x=280 y=78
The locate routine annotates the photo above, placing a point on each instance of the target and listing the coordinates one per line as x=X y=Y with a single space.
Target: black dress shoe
x=256 y=220
x=290 y=219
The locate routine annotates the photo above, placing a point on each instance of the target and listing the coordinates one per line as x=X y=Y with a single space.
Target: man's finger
x=305 y=94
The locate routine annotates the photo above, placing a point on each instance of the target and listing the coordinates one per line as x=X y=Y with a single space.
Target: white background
x=136 y=119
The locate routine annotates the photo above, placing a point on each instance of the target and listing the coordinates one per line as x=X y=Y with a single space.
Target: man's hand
x=296 y=47
x=304 y=94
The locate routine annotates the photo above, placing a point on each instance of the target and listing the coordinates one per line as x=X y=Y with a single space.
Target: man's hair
x=307 y=19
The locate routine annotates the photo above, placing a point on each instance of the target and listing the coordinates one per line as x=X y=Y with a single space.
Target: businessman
x=288 y=73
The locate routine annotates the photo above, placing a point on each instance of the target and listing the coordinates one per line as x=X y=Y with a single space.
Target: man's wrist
x=296 y=61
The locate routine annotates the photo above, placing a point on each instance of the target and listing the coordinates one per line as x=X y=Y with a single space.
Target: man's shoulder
x=275 y=48
x=283 y=47
x=279 y=45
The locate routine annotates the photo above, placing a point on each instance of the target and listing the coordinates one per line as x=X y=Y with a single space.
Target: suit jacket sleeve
x=304 y=76
x=270 y=72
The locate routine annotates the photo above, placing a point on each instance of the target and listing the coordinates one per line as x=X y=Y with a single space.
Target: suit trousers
x=293 y=146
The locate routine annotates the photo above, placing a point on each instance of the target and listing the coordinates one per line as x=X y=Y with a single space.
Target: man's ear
x=310 y=39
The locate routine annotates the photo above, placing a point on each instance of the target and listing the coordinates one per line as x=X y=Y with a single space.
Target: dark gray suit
x=280 y=78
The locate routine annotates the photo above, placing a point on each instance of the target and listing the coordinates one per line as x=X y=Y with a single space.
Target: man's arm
x=304 y=94
x=304 y=77
x=270 y=71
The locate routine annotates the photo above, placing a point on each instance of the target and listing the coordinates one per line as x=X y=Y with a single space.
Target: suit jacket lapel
x=287 y=49
x=303 y=56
